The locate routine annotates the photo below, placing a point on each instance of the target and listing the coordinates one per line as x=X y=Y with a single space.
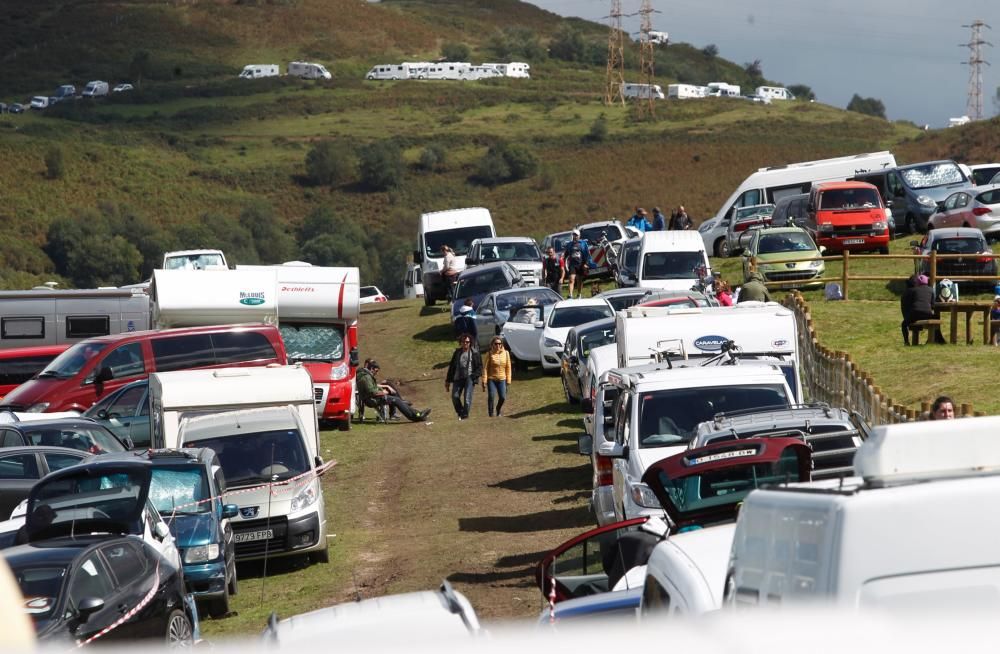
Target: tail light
x=981 y=211
x=984 y=259
x=604 y=471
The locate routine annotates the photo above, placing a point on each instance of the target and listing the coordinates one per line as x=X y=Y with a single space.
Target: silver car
x=744 y=220
x=519 y=251
x=495 y=309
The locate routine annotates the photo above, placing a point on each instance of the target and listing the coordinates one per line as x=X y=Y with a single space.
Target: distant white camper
x=405 y=70
x=480 y=72
x=659 y=38
x=773 y=93
x=686 y=91
x=308 y=70
x=512 y=69
x=255 y=71
x=723 y=90
x=642 y=91
x=448 y=70
x=95 y=89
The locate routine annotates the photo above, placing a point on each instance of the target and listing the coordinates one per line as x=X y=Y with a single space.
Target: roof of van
x=686 y=374
x=670 y=237
x=827 y=186
x=455 y=217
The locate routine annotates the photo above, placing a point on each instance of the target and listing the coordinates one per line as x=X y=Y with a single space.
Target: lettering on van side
x=251 y=298
x=298 y=289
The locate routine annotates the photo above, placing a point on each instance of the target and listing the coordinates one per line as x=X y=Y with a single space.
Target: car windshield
x=481 y=283
x=543 y=296
x=558 y=243
x=596 y=338
x=789 y=242
x=849 y=199
x=746 y=213
x=672 y=265
x=86 y=438
x=73 y=360
x=193 y=262
x=89 y=495
x=932 y=175
x=179 y=489
x=671 y=417
x=258 y=457
x=306 y=342
x=41 y=587
x=971 y=245
x=593 y=234
x=458 y=239
x=573 y=316
x=509 y=252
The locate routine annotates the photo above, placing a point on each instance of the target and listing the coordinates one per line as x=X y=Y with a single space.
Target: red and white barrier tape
x=552 y=599
x=128 y=614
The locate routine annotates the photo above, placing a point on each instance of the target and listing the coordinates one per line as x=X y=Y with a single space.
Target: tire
x=219 y=608
x=322 y=556
x=724 y=249
x=428 y=300
x=883 y=250
x=911 y=224
x=717 y=248
x=179 y=632
x=569 y=398
x=345 y=424
x=234 y=585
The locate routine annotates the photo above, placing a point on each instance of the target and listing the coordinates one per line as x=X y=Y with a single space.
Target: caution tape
x=128 y=614
x=552 y=599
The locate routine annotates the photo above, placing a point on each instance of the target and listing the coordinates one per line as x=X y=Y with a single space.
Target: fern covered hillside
x=337 y=171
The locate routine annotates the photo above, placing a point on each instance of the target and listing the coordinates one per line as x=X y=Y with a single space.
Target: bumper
x=793 y=278
x=206 y=580
x=333 y=400
x=551 y=359
x=854 y=242
x=299 y=535
x=603 y=501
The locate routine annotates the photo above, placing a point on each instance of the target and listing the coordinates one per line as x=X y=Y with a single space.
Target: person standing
x=659 y=221
x=680 y=219
x=754 y=289
x=576 y=256
x=552 y=270
x=464 y=372
x=496 y=366
x=449 y=269
x=639 y=221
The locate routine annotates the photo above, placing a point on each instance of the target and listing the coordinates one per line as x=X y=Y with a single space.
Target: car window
x=234 y=347
x=970 y=245
x=21 y=369
x=949 y=204
x=849 y=198
x=85 y=438
x=125 y=562
x=59 y=461
x=989 y=197
x=127 y=402
x=573 y=316
x=789 y=242
x=183 y=352
x=930 y=175
x=90 y=579
x=10 y=438
x=125 y=361
x=962 y=200
x=19 y=466
x=543 y=296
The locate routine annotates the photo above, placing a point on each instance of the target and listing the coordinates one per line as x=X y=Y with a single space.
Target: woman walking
x=496 y=364
x=464 y=372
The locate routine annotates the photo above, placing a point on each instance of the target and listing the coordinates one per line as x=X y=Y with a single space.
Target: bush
x=433 y=157
x=869 y=106
x=504 y=162
x=330 y=163
x=711 y=50
x=598 y=130
x=455 y=52
x=55 y=165
x=381 y=165
x=802 y=92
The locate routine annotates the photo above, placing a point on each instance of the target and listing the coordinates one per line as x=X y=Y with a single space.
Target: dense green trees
x=870 y=106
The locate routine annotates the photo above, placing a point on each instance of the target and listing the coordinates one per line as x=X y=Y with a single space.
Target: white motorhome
x=512 y=69
x=673 y=260
x=480 y=72
x=308 y=70
x=185 y=298
x=456 y=228
x=913 y=529
x=773 y=93
x=768 y=185
x=659 y=38
x=256 y=71
x=448 y=70
x=262 y=424
x=686 y=91
x=643 y=91
x=723 y=90
x=405 y=70
x=194 y=260
x=413 y=283
x=48 y=316
x=95 y=89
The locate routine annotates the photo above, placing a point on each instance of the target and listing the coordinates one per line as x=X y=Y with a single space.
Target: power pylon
x=647 y=58
x=615 y=77
x=974 y=104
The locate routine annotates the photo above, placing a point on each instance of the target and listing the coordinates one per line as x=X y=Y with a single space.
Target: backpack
x=833 y=291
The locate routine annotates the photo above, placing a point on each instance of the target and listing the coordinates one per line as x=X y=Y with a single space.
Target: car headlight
x=816 y=264
x=38 y=408
x=306 y=497
x=926 y=200
x=826 y=227
x=879 y=226
x=429 y=264
x=339 y=371
x=643 y=496
x=201 y=553
x=706 y=226
x=551 y=342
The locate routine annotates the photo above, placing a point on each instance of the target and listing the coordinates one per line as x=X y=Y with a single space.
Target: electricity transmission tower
x=646 y=57
x=615 y=77
x=974 y=104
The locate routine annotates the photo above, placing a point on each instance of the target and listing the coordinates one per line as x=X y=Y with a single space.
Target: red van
x=19 y=364
x=91 y=369
x=848 y=216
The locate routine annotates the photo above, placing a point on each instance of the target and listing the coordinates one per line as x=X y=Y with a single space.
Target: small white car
x=371 y=294
x=40 y=102
x=121 y=88
x=542 y=339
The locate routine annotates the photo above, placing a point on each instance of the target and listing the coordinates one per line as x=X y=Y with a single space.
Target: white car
x=542 y=339
x=122 y=88
x=371 y=294
x=40 y=102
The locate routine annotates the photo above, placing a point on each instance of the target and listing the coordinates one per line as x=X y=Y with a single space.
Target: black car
x=21 y=467
x=975 y=254
x=81 y=434
x=579 y=342
x=76 y=587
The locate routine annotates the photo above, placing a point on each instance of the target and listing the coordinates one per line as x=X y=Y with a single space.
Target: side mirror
x=353 y=357
x=230 y=510
x=587 y=405
x=103 y=415
x=822 y=249
x=418 y=256
x=88 y=606
x=585 y=444
x=612 y=450
x=486 y=312
x=539 y=324
x=104 y=375
x=161 y=530
x=318 y=461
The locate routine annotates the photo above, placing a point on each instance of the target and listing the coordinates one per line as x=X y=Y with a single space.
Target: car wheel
x=428 y=300
x=717 y=248
x=179 y=633
x=569 y=398
x=883 y=250
x=345 y=424
x=322 y=556
x=911 y=223
x=724 y=249
x=234 y=585
x=219 y=608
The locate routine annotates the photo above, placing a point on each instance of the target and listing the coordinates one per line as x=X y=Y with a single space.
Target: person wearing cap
x=916 y=303
x=465 y=323
x=370 y=392
x=576 y=257
x=659 y=220
x=639 y=220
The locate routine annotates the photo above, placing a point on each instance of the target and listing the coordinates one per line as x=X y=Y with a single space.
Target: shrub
x=330 y=163
x=869 y=106
x=505 y=162
x=381 y=165
x=55 y=165
x=433 y=157
x=711 y=50
x=455 y=52
x=598 y=130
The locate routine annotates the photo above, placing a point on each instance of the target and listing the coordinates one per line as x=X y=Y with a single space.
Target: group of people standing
x=468 y=368
x=679 y=220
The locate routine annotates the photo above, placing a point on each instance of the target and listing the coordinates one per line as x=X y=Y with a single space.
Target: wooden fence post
x=847 y=260
x=933 y=275
x=967 y=410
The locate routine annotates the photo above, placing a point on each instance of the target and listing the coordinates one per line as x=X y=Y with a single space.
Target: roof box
x=193 y=298
x=930 y=449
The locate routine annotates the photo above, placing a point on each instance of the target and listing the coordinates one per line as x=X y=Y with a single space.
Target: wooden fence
x=831 y=376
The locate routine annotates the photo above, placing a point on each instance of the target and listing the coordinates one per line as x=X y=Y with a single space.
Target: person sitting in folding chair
x=378 y=396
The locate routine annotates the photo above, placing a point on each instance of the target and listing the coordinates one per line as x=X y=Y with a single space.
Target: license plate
x=854 y=241
x=247 y=536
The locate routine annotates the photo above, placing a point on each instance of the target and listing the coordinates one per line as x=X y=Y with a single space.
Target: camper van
x=262 y=423
x=256 y=71
x=642 y=91
x=512 y=69
x=95 y=89
x=405 y=70
x=659 y=38
x=773 y=93
x=456 y=228
x=723 y=90
x=413 y=283
x=686 y=91
x=60 y=317
x=194 y=260
x=448 y=70
x=480 y=72
x=673 y=260
x=307 y=70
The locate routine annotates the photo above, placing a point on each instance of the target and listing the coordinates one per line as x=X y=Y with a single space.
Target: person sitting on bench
x=916 y=303
x=371 y=393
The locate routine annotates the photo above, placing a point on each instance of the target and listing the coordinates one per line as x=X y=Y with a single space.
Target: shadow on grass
x=568 y=448
x=564 y=436
x=381 y=310
x=574 y=498
x=555 y=407
x=576 y=518
x=571 y=422
x=549 y=481
x=525 y=577
x=276 y=566
x=435 y=310
x=436 y=334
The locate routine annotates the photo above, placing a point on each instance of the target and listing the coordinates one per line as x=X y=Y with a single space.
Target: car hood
x=32 y=391
x=765 y=259
x=192 y=529
x=556 y=333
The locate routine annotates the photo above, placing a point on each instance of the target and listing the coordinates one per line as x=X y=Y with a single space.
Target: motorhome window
x=93 y=439
x=19 y=466
x=73 y=360
x=179 y=489
x=236 y=347
x=258 y=457
x=671 y=417
x=572 y=316
x=749 y=198
x=458 y=239
x=932 y=175
x=22 y=328
x=509 y=252
x=91 y=496
x=183 y=352
x=849 y=198
x=125 y=361
x=87 y=326
x=21 y=369
x=672 y=265
x=305 y=342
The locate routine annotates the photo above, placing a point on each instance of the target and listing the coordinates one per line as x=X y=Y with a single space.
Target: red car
x=19 y=364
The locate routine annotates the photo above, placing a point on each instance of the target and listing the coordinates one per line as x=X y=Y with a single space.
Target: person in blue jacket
x=659 y=220
x=576 y=256
x=639 y=220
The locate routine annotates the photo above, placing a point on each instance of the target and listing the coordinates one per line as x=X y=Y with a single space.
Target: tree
x=55 y=165
x=272 y=242
x=869 y=106
x=505 y=162
x=433 y=157
x=330 y=163
x=568 y=44
x=754 y=71
x=381 y=165
x=802 y=92
x=598 y=130
x=711 y=51
x=455 y=52
x=139 y=67
x=103 y=260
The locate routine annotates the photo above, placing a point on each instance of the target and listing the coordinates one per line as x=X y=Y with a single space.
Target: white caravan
x=512 y=69
x=643 y=91
x=95 y=89
x=724 y=90
x=448 y=70
x=413 y=283
x=184 y=298
x=308 y=70
x=914 y=529
x=194 y=260
x=456 y=228
x=686 y=91
x=48 y=316
x=773 y=93
x=256 y=71
x=768 y=185
x=659 y=38
x=672 y=260
x=480 y=72
x=262 y=424
x=405 y=70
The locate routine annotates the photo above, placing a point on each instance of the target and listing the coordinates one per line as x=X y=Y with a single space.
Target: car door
x=132 y=583
x=486 y=322
x=962 y=213
x=620 y=467
x=91 y=580
x=18 y=473
x=523 y=338
x=118 y=410
x=139 y=429
x=897 y=195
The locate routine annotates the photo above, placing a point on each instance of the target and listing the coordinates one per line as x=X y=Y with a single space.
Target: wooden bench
x=917 y=325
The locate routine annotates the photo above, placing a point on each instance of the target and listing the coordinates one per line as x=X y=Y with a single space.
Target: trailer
x=308 y=70
x=256 y=71
x=405 y=70
x=512 y=69
x=773 y=93
x=723 y=90
x=643 y=91
x=686 y=91
x=447 y=70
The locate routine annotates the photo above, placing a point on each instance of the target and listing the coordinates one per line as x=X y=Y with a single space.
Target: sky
x=905 y=53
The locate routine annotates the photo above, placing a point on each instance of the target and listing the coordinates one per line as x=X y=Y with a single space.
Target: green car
x=781 y=244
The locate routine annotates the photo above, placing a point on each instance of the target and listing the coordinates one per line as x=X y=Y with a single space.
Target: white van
x=413 y=283
x=642 y=91
x=672 y=260
x=308 y=70
x=512 y=69
x=456 y=228
x=256 y=71
x=686 y=91
x=914 y=529
x=194 y=260
x=262 y=423
x=95 y=89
